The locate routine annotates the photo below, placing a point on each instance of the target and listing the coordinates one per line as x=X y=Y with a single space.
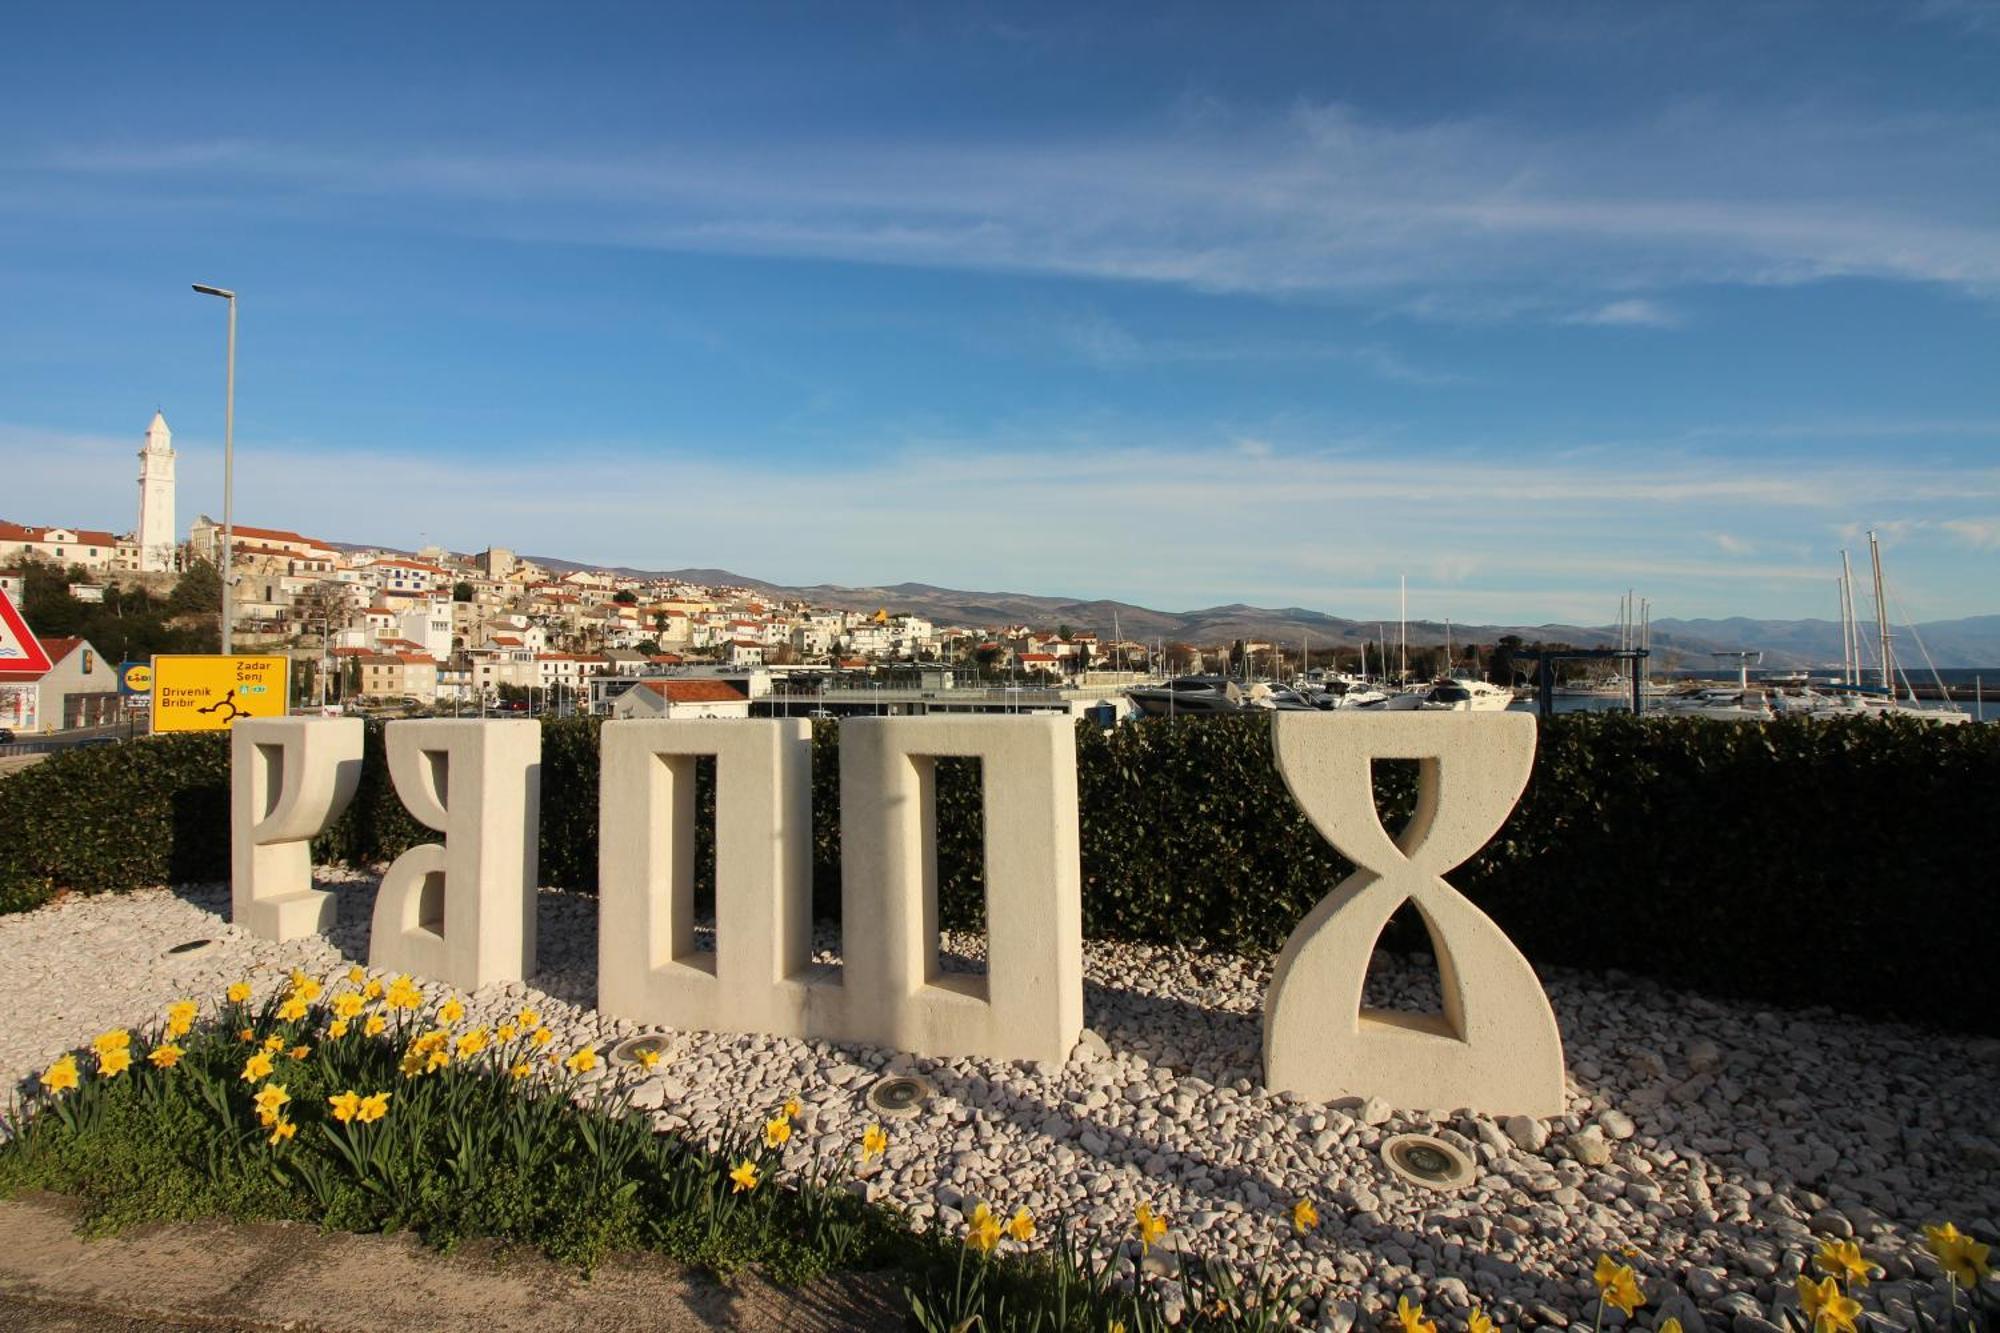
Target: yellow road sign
x=207 y=692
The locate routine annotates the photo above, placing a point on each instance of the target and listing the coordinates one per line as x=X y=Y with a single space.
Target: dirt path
x=272 y=1276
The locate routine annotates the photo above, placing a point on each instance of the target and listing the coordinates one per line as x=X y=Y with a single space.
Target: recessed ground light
x=899 y=1096
x=187 y=947
x=1432 y=1163
x=628 y=1051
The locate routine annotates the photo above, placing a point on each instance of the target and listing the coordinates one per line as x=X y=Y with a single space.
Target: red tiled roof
x=15 y=532
x=695 y=691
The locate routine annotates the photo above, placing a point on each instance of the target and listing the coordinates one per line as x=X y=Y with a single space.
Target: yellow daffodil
x=356 y=976
x=292 y=1010
x=257 y=1067
x=113 y=1063
x=337 y=1028
x=1021 y=1226
x=1829 y=1310
x=304 y=985
x=403 y=994
x=372 y=991
x=375 y=1026
x=471 y=1043
x=873 y=1142
x=274 y=1043
x=1667 y=1325
x=450 y=1012
x=1618 y=1285
x=165 y=1056
x=745 y=1177
x=345 y=1105
x=60 y=1076
x=528 y=1019
x=982 y=1229
x=373 y=1107
x=348 y=1004
x=777 y=1131
x=1304 y=1216
x=1410 y=1318
x=1963 y=1258
x=792 y=1108
x=543 y=1037
x=583 y=1061
x=118 y=1039
x=280 y=1131
x=1843 y=1259
x=648 y=1058
x=521 y=1069
x=239 y=992
x=180 y=1018
x=299 y=1052
x=1149 y=1225
x=1478 y=1321
x=506 y=1032
x=270 y=1101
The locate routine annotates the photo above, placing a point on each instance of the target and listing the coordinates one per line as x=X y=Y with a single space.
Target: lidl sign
x=208 y=692
x=135 y=678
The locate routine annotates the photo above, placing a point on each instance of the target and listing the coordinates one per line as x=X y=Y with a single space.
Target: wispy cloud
x=1102 y=341
x=1323 y=199
x=1632 y=312
x=1193 y=521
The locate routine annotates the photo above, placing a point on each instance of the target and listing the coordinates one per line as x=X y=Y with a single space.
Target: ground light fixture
x=632 y=1050
x=1429 y=1162
x=900 y=1096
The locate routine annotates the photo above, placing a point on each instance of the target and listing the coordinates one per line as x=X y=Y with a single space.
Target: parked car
x=6 y=736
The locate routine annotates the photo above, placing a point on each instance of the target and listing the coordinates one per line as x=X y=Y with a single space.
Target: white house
x=681 y=698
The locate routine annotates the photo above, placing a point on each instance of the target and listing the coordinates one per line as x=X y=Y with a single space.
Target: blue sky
x=1180 y=304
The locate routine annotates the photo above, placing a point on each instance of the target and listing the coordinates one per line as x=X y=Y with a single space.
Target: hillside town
x=438 y=630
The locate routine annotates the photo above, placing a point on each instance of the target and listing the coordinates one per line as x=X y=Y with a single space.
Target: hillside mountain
x=1973 y=641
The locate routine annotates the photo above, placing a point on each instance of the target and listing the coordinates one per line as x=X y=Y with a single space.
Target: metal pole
x=229 y=487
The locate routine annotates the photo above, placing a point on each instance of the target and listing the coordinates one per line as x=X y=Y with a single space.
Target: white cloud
x=1632 y=312
x=1197 y=520
x=1980 y=533
x=1460 y=213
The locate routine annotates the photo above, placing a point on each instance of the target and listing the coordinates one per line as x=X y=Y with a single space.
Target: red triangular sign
x=19 y=649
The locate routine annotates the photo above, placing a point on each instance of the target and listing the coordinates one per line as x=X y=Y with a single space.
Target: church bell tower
x=156 y=497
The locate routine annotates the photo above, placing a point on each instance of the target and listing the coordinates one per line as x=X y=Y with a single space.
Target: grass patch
x=356 y=1106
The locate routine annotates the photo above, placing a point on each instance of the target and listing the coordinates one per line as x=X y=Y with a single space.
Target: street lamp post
x=228 y=469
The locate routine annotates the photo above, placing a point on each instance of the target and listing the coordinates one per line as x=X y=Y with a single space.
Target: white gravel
x=1715 y=1139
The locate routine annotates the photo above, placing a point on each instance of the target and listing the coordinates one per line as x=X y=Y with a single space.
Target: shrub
x=1799 y=862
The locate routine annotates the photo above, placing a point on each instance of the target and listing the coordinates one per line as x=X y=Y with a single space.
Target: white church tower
x=156 y=497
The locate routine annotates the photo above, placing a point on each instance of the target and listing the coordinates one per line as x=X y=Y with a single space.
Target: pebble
x=1717 y=1140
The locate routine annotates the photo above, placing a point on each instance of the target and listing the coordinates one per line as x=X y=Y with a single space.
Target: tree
x=199 y=590
x=987 y=657
x=1238 y=655
x=650 y=647
x=1063 y=633
x=625 y=597
x=1500 y=667
x=461 y=591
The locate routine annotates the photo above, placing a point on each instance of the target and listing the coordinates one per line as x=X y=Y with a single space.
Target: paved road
x=45 y=743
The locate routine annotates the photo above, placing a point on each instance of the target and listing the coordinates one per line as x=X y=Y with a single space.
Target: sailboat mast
x=1882 y=617
x=1850 y=646
x=1403 y=630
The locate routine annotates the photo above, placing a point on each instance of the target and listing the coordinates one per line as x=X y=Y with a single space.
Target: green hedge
x=1840 y=863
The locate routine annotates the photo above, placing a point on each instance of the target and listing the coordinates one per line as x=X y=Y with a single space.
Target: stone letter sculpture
x=463 y=910
x=648 y=969
x=1029 y=1005
x=1496 y=1049
x=289 y=779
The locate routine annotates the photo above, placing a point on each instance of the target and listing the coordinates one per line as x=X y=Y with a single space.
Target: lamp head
x=207 y=290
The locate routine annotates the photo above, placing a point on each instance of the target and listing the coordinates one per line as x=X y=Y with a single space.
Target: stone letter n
x=463 y=911
x=1497 y=1048
x=1029 y=1005
x=758 y=978
x=289 y=778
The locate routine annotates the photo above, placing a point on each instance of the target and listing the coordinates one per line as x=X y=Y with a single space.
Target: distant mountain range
x=1970 y=642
